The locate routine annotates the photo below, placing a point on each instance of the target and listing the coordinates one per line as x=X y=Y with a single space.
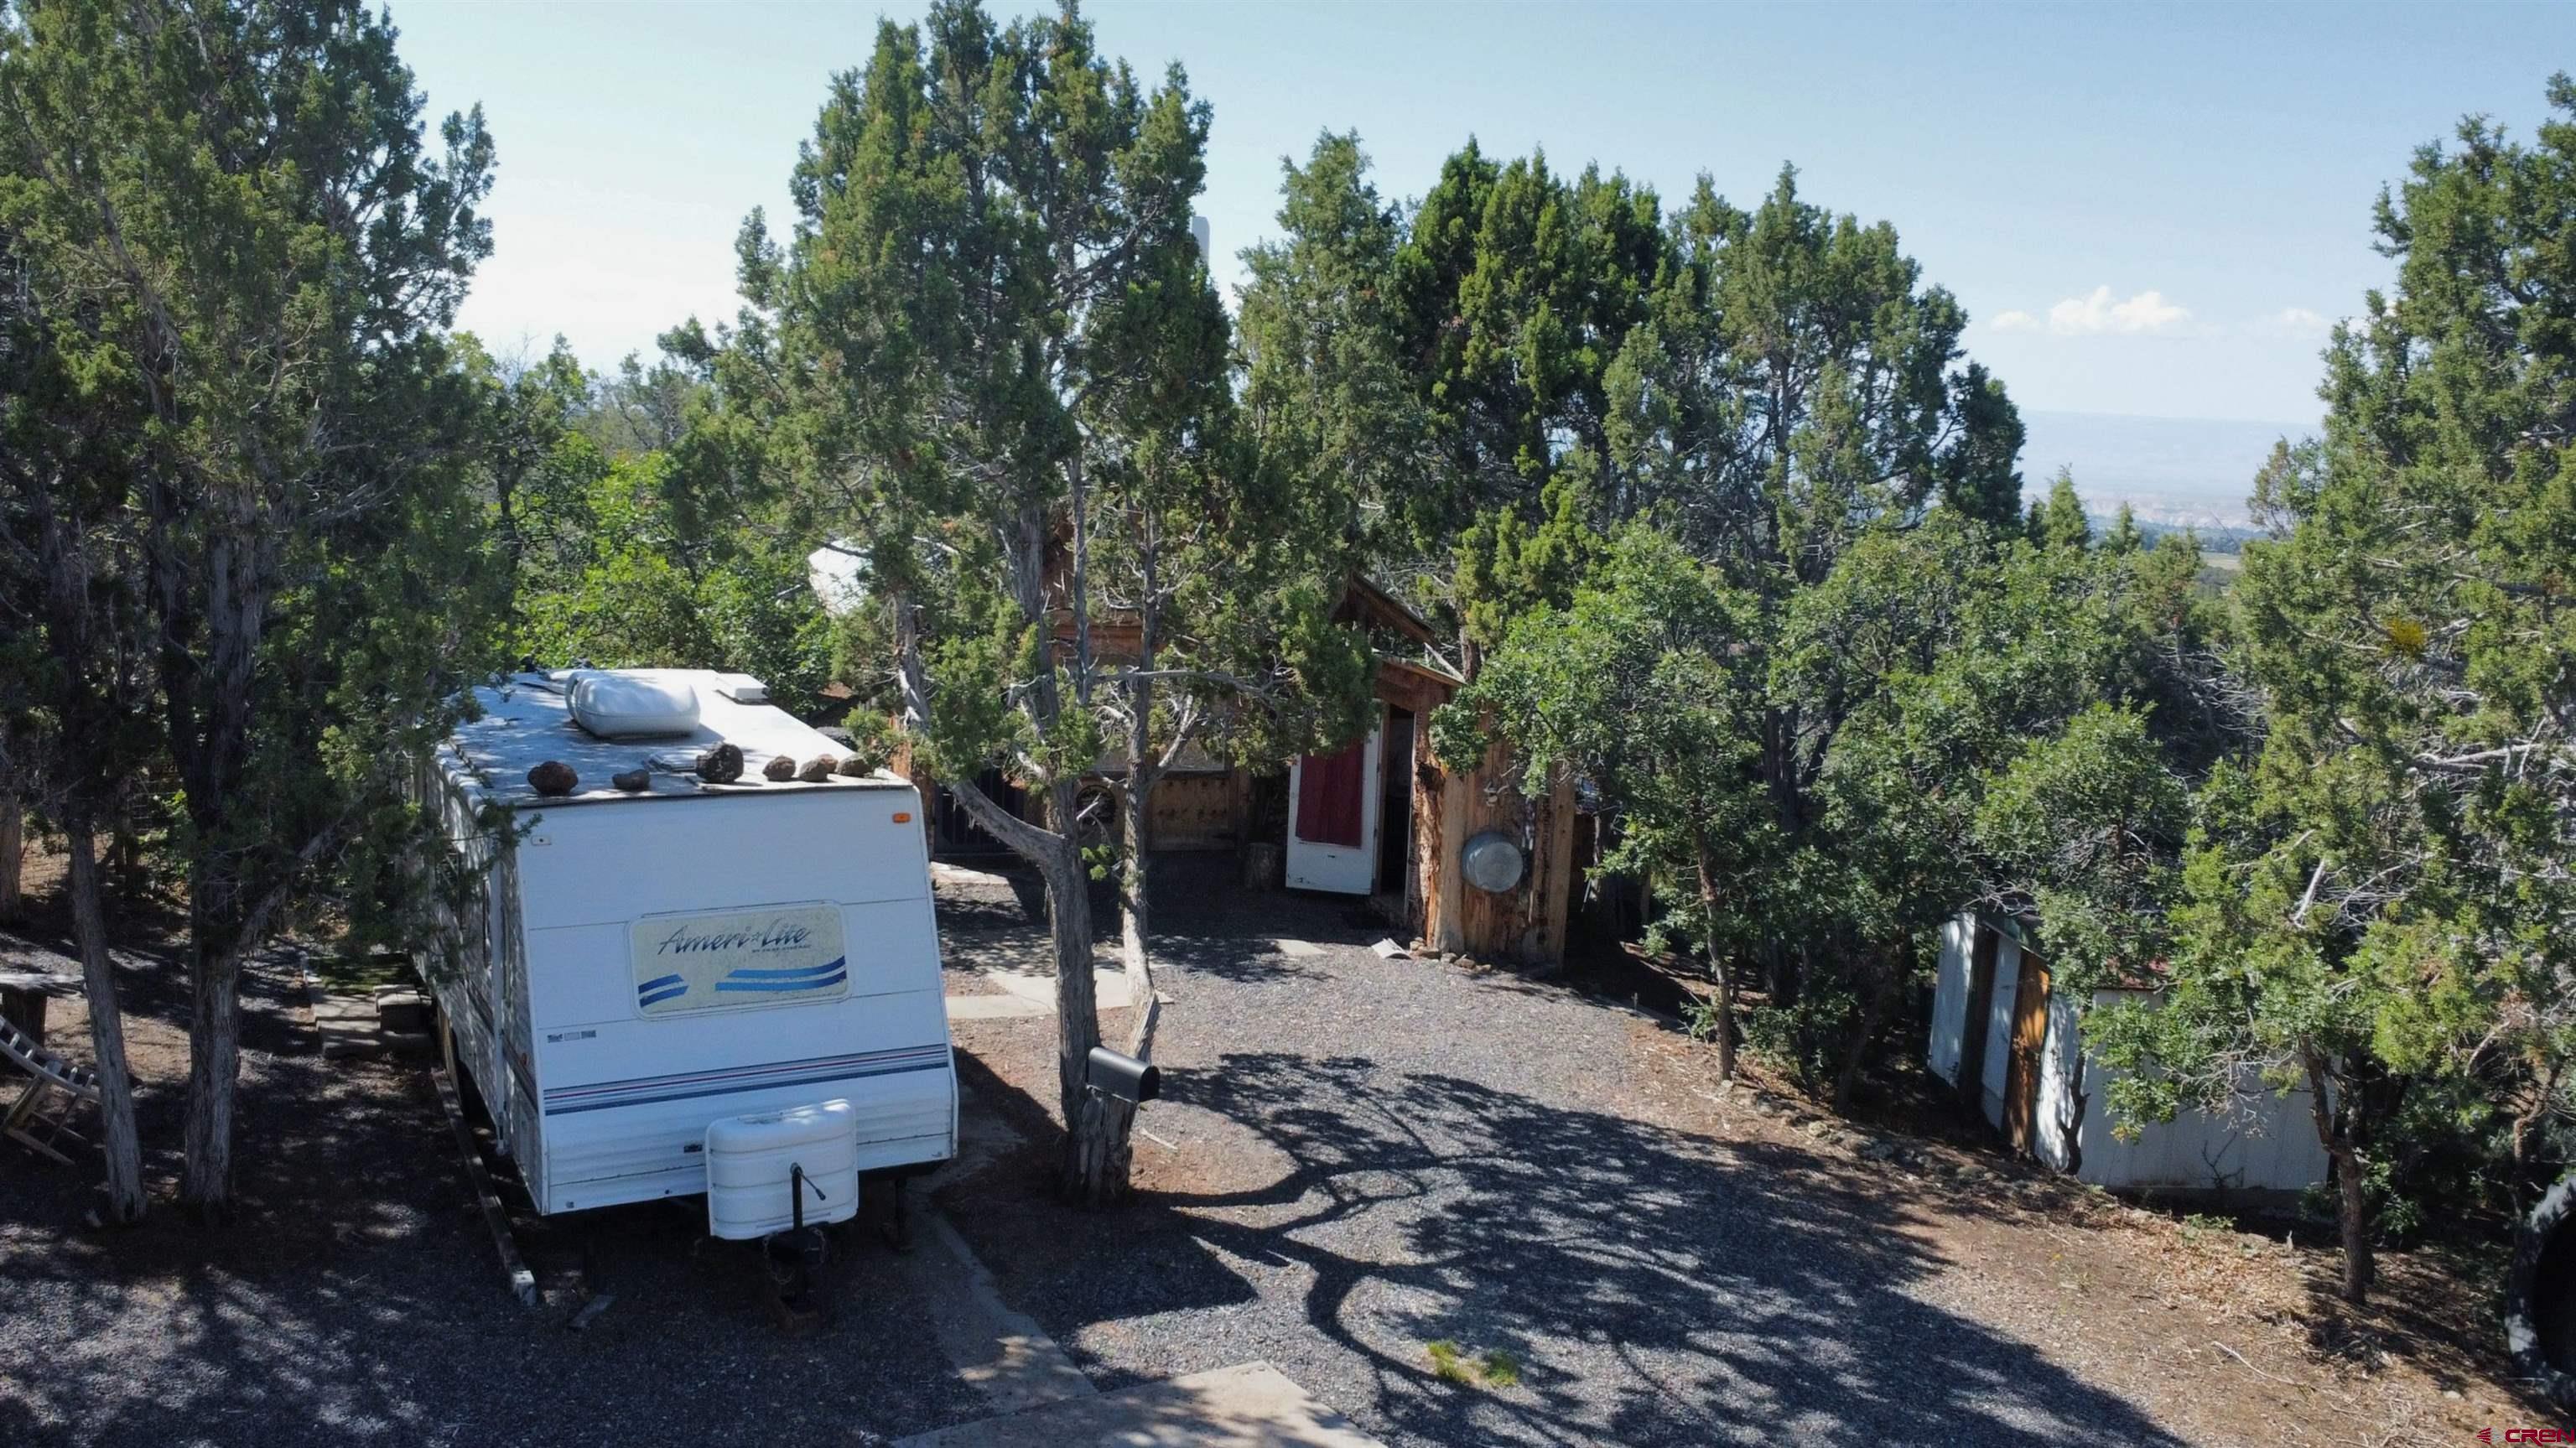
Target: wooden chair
x=31 y=1121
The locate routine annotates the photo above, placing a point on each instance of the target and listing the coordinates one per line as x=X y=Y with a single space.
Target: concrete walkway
x=1009 y=1358
x=1249 y=1405
x=1041 y=1399
x=1027 y=994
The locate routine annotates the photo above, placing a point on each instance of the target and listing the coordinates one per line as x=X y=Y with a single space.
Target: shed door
x=2029 y=1036
x=1980 y=1016
x=1333 y=819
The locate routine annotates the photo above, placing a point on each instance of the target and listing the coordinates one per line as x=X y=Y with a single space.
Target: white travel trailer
x=2012 y=1044
x=627 y=968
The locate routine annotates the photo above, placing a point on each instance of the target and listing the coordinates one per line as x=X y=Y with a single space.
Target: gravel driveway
x=1374 y=1155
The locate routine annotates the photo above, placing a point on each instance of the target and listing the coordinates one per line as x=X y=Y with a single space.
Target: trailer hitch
x=795 y=1258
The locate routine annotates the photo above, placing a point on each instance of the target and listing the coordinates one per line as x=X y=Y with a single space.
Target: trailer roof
x=527 y=720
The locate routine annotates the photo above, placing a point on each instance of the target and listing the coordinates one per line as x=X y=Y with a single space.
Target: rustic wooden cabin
x=1463 y=860
x=1378 y=819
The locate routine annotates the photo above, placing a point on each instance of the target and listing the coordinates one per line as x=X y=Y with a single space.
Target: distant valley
x=2178 y=472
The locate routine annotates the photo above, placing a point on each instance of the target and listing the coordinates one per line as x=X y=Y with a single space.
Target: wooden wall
x=1198 y=811
x=1526 y=924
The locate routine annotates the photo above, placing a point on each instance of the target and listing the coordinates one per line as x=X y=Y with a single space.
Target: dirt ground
x=2231 y=1331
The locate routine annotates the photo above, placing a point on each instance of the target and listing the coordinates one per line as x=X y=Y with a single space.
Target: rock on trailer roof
x=527 y=720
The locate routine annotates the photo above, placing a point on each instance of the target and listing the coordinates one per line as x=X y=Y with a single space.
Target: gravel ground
x=1368 y=1156
x=359 y=1298
x=1357 y=1158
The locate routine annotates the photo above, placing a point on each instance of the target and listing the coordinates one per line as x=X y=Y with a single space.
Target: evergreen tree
x=989 y=358
x=243 y=194
x=1638 y=687
x=76 y=720
x=2378 y=904
x=1327 y=393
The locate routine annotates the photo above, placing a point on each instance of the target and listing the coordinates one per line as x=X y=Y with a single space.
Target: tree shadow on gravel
x=1242 y=960
x=359 y=1298
x=175 y=1333
x=1652 y=1287
x=1204 y=921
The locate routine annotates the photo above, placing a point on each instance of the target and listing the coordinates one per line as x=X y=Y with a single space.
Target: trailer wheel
x=2540 y=1295
x=469 y=1096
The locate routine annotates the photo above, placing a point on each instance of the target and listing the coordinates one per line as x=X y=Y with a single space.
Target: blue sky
x=2147 y=211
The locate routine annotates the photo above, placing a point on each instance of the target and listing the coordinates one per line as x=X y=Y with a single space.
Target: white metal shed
x=1998 y=1023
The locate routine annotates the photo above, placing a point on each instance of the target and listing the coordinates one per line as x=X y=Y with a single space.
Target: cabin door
x=2029 y=1038
x=1333 y=819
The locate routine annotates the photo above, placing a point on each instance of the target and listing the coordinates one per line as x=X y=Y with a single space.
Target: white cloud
x=2101 y=314
x=2296 y=322
x=2145 y=313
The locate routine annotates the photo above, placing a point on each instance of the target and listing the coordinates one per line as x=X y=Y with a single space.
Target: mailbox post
x=1114 y=1073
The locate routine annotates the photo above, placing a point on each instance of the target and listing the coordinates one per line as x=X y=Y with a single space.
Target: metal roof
x=527 y=720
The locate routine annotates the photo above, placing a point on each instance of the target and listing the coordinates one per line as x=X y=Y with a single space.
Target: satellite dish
x=1492 y=862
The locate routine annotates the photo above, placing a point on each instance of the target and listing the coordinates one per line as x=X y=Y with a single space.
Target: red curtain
x=1330 y=800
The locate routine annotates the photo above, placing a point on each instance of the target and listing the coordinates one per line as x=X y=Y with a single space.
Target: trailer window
x=739 y=959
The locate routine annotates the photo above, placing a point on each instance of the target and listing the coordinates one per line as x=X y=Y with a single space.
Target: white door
x=1333 y=806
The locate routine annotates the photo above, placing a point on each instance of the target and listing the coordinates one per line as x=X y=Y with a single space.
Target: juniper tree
x=1776 y=389
x=2378 y=906
x=75 y=670
x=536 y=460
x=986 y=339
x=245 y=194
x=1220 y=570
x=1642 y=686
x=1327 y=392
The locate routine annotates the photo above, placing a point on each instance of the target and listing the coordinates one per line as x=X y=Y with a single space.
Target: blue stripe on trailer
x=934 y=1054
x=894 y=1068
x=672 y=994
x=749 y=973
x=656 y=983
x=802 y=983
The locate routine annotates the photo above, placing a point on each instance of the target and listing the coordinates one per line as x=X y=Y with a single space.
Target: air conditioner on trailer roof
x=629 y=706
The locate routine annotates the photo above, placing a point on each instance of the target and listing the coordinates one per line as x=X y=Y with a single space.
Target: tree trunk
x=214 y=1065
x=1094 y=1168
x=13 y=855
x=1136 y=840
x=125 y=1200
x=1873 y=1010
x=1113 y=1121
x=2359 y=1265
x=1101 y=1151
x=1717 y=965
x=125 y=851
x=1132 y=846
x=1137 y=820
x=2335 y=1104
